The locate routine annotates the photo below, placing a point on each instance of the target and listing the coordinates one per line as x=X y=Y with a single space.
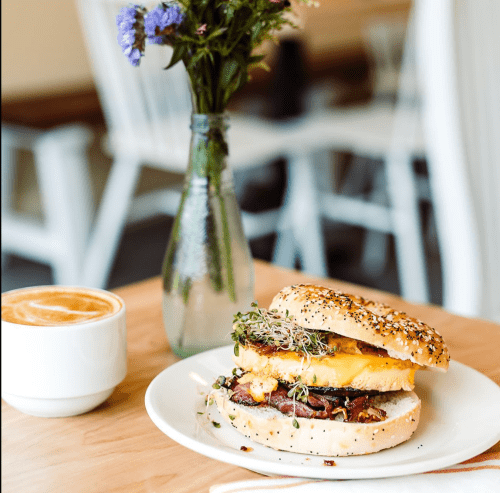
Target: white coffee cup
x=64 y=349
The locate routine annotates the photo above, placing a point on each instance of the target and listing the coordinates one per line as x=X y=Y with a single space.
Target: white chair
x=147 y=110
x=382 y=131
x=458 y=47
x=60 y=163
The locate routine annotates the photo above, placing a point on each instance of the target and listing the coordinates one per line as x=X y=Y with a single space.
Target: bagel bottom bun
x=332 y=438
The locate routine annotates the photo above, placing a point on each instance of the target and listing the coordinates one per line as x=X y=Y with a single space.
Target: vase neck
x=209 y=149
x=203 y=123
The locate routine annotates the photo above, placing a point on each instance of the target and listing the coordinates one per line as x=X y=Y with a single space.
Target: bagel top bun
x=403 y=337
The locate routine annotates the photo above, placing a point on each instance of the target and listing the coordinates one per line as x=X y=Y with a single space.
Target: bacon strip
x=241 y=394
x=317 y=406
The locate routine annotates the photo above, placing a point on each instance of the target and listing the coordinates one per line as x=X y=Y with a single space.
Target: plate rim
x=263 y=466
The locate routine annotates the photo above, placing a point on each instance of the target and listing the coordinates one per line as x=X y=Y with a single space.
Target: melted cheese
x=259 y=385
x=343 y=344
x=361 y=371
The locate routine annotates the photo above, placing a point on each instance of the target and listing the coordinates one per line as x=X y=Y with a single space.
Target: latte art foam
x=55 y=305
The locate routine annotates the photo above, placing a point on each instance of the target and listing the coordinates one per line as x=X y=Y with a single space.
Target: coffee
x=56 y=305
x=64 y=349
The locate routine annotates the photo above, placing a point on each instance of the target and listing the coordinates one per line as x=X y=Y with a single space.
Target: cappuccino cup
x=64 y=349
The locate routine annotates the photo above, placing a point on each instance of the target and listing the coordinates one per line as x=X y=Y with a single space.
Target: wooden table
x=117 y=448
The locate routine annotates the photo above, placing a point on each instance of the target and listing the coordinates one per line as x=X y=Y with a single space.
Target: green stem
x=215 y=268
x=208 y=154
x=226 y=239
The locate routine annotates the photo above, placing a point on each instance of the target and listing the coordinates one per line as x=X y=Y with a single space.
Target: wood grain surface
x=117 y=448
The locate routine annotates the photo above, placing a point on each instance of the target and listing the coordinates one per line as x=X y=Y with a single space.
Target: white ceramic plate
x=460 y=418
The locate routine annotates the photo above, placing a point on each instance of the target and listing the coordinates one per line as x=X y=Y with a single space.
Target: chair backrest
x=458 y=49
x=137 y=101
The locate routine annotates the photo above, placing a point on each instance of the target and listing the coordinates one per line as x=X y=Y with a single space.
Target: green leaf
x=229 y=70
x=195 y=59
x=295 y=423
x=216 y=33
x=186 y=288
x=256 y=30
x=242 y=79
x=179 y=51
x=256 y=59
x=229 y=11
x=200 y=159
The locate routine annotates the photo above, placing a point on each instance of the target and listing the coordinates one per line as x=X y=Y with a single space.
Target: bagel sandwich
x=327 y=373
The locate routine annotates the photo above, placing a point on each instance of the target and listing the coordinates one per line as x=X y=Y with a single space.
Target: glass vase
x=208 y=269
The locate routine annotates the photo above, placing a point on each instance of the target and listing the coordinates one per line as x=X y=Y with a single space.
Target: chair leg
x=63 y=175
x=303 y=218
x=375 y=247
x=110 y=220
x=410 y=256
x=285 y=251
x=374 y=257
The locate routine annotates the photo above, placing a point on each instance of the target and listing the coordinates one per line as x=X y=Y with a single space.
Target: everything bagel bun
x=403 y=337
x=331 y=438
x=327 y=373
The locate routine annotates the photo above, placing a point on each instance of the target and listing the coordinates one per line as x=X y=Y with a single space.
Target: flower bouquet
x=215 y=39
x=207 y=271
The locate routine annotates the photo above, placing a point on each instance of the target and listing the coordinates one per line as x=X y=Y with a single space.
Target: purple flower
x=130 y=22
x=161 y=21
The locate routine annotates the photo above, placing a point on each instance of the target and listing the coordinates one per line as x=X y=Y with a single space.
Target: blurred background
x=341 y=70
